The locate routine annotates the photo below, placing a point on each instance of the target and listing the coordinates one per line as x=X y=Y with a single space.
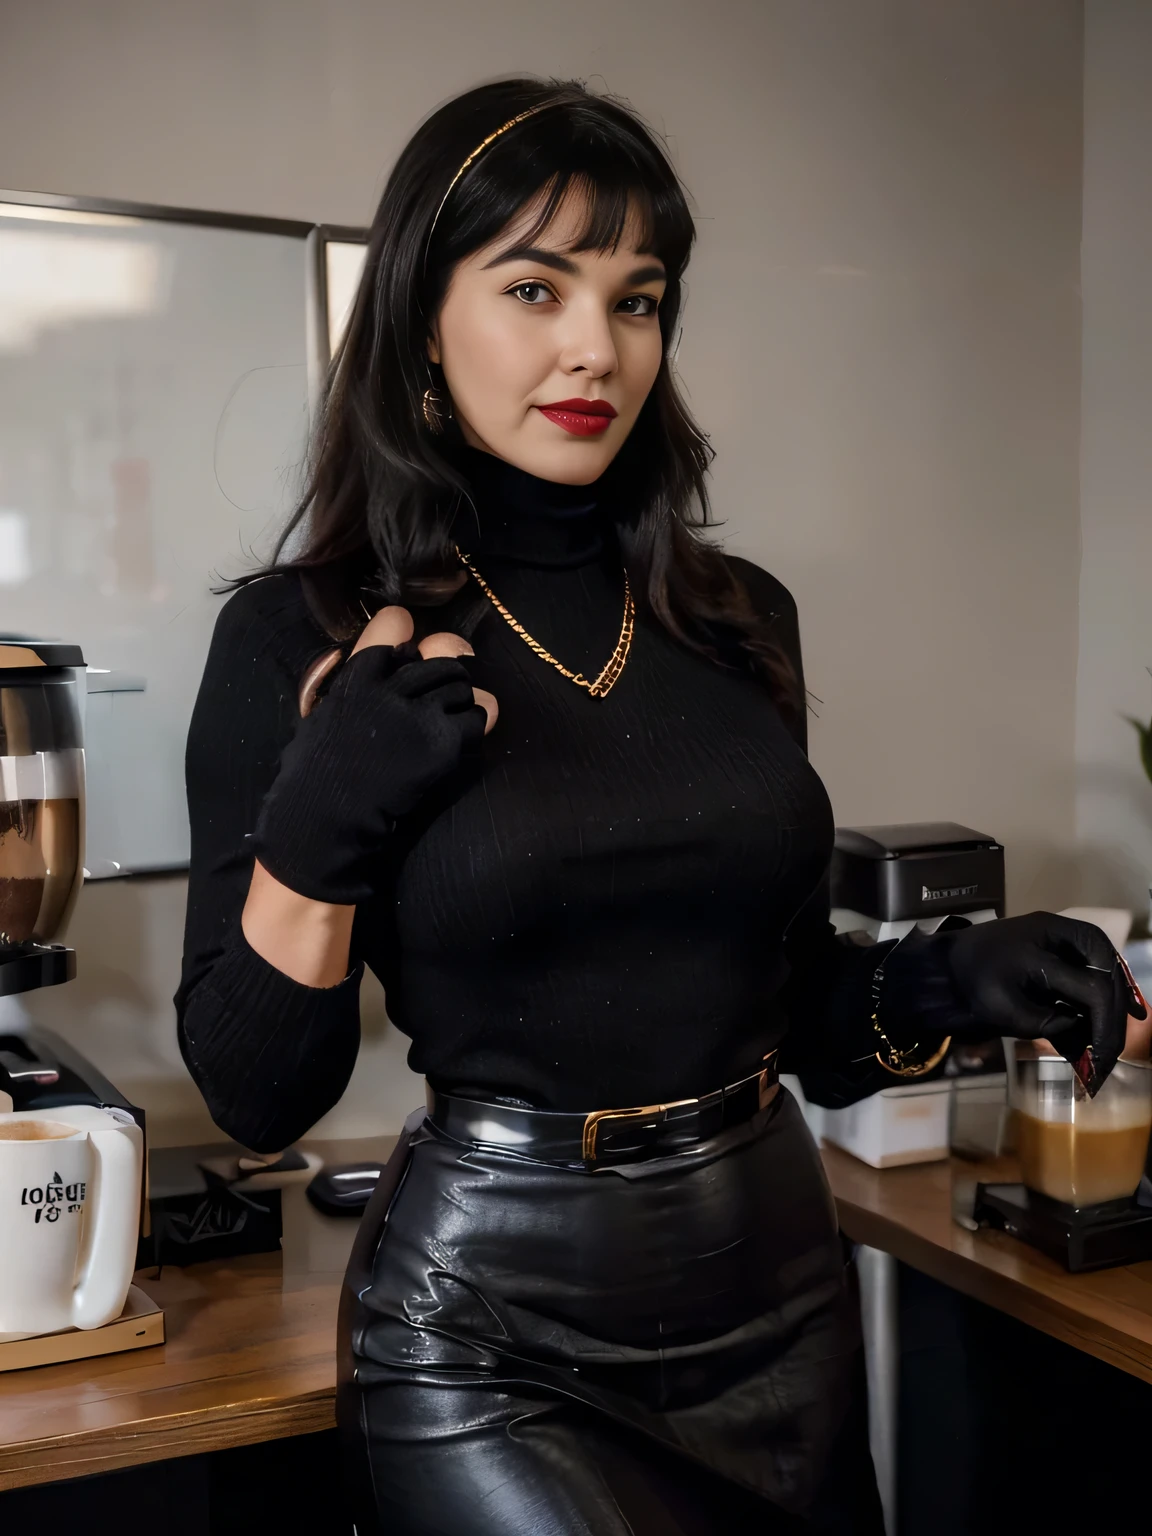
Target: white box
x=904 y=1124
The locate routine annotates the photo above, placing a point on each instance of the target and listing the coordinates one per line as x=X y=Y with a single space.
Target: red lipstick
x=583 y=418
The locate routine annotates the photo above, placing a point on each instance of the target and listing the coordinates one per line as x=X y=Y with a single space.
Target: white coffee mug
x=69 y=1217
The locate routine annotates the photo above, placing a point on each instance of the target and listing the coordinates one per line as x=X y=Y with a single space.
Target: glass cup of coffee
x=1078 y=1150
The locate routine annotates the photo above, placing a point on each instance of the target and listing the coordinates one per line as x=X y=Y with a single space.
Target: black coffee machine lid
x=19 y=654
x=911 y=837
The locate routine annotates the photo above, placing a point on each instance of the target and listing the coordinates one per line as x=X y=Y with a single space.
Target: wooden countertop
x=250 y=1356
x=908 y=1212
x=251 y=1343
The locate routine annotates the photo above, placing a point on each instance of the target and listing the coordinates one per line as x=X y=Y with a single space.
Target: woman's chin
x=577 y=461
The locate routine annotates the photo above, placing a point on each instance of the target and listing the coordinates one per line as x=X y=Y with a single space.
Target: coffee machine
x=42 y=868
x=888 y=880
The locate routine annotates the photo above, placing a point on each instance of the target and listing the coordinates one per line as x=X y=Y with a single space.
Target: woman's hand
x=397 y=720
x=1047 y=977
x=393 y=626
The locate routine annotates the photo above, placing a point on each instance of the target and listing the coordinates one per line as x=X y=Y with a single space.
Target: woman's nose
x=589 y=346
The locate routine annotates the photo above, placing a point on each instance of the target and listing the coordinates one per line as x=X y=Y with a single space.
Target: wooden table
x=250 y=1356
x=907 y=1212
x=251 y=1343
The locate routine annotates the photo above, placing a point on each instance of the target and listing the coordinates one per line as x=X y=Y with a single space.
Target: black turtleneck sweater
x=624 y=905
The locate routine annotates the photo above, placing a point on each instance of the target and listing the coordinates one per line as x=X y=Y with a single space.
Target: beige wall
x=882 y=334
x=1114 y=798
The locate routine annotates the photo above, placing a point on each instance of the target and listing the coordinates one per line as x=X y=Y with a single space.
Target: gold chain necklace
x=597 y=687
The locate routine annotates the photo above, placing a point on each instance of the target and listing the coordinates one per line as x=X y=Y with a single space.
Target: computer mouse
x=344 y=1190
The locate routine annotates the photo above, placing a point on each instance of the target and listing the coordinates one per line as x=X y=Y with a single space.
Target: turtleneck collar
x=529 y=521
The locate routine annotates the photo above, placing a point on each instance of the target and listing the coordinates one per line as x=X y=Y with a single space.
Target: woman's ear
x=434 y=347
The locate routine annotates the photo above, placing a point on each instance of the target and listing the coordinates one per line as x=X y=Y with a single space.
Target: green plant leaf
x=1144 y=732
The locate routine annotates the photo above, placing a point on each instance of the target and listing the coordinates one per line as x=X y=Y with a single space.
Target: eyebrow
x=654 y=272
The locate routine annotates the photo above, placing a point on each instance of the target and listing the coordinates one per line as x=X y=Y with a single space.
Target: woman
x=600 y=1288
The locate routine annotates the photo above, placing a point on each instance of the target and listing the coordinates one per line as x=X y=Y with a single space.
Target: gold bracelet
x=900 y=1062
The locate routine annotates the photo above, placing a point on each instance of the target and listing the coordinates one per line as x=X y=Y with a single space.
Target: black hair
x=374 y=525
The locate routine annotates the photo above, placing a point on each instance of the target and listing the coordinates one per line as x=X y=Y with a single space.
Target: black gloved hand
x=390 y=728
x=1043 y=976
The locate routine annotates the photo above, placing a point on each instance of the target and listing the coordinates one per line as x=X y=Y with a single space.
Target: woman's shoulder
x=769 y=597
x=264 y=641
x=774 y=608
x=268 y=624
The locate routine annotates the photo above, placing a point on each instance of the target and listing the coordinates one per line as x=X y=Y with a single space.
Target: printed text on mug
x=55 y=1196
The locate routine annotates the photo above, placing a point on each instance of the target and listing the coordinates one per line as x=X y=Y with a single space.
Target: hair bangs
x=614 y=209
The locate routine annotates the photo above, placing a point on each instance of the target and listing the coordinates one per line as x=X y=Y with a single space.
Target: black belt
x=603 y=1136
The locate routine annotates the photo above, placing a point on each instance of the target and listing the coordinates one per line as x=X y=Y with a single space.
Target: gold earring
x=435 y=412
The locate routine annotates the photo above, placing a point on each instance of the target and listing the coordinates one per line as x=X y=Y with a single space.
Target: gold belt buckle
x=767 y=1083
x=594 y=1120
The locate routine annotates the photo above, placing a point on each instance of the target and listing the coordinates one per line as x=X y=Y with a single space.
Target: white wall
x=882 y=335
x=1114 y=798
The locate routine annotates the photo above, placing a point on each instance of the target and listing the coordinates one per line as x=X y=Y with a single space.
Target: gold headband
x=479 y=150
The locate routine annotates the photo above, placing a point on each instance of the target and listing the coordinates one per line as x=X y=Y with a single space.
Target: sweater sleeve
x=828 y=993
x=269 y=1054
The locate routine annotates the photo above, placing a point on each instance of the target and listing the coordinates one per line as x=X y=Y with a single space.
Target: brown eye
x=638 y=304
x=531 y=293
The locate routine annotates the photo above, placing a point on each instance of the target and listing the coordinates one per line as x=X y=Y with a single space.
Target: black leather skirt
x=658 y=1349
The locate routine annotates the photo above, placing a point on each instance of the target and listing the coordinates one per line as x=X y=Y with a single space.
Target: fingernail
x=1085 y=1070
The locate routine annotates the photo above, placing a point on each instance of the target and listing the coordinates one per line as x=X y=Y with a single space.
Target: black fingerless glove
x=1028 y=977
x=390 y=728
x=1050 y=977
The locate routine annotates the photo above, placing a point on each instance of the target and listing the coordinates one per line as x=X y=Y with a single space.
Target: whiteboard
x=153 y=422
x=343 y=269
